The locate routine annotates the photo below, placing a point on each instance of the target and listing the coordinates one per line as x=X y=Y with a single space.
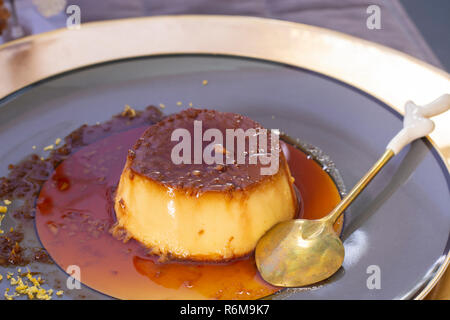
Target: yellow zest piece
x=14 y=282
x=128 y=111
x=9 y=297
x=1 y=219
x=33 y=280
x=50 y=147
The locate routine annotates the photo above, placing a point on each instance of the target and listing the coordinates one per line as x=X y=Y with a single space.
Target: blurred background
x=417 y=27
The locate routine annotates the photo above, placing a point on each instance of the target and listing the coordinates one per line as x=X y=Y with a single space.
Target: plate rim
x=35 y=53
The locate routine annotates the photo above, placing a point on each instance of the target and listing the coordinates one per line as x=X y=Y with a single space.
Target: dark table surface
x=432 y=18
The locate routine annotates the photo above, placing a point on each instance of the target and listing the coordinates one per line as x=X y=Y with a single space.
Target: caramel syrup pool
x=75 y=212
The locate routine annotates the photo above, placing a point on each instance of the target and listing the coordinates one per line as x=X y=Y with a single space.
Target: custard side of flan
x=197 y=211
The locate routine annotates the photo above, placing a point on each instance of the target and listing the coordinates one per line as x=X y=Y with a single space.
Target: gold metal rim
x=389 y=75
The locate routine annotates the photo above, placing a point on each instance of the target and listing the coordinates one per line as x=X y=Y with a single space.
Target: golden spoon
x=300 y=252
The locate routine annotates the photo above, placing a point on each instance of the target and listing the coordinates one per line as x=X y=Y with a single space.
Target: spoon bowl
x=299 y=252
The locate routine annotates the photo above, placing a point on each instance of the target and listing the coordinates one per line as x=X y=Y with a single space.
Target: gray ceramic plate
x=400 y=224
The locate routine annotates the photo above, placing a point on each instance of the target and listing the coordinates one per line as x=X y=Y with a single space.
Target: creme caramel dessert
x=200 y=211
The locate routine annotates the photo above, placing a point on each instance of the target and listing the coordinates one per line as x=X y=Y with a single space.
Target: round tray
x=340 y=93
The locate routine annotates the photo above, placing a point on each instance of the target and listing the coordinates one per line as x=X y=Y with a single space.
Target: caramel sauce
x=75 y=212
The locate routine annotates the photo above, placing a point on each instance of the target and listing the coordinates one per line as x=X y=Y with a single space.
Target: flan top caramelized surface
x=151 y=155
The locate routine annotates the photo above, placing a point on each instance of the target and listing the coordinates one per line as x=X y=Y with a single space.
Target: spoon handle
x=360 y=186
x=415 y=125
